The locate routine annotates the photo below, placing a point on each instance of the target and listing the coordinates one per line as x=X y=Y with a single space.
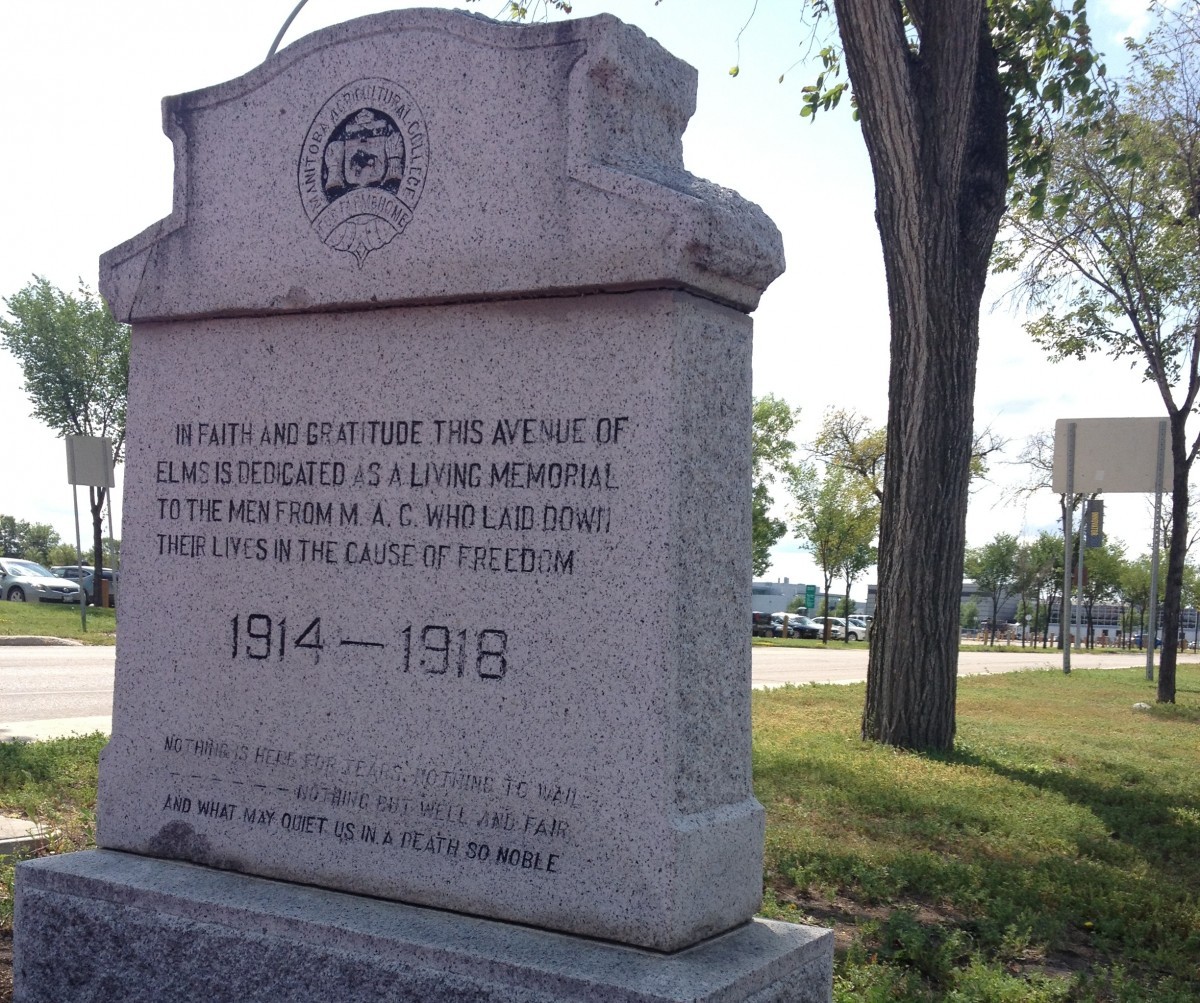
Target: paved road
x=835 y=664
x=49 y=691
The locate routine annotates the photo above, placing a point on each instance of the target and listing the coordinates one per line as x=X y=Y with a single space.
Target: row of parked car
x=854 y=628
x=28 y=581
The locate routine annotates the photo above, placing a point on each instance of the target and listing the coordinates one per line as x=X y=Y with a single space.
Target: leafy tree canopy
x=1048 y=72
x=848 y=440
x=75 y=359
x=836 y=519
x=34 y=541
x=12 y=535
x=993 y=568
x=969 y=619
x=535 y=10
x=1114 y=268
x=771 y=450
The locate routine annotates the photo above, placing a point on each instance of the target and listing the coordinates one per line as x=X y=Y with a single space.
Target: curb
x=19 y=836
x=34 y=641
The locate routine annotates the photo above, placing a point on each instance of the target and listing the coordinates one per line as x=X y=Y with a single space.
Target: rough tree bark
x=96 y=499
x=1177 y=552
x=934 y=118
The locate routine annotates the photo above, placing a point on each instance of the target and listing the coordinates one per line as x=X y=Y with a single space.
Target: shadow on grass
x=1024 y=860
x=1161 y=826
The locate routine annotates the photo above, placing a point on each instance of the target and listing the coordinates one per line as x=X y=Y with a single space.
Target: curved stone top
x=426 y=156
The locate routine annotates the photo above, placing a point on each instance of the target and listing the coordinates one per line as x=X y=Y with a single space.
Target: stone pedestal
x=158 y=931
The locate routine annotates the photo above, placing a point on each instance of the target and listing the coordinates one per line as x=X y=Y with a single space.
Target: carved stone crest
x=363 y=166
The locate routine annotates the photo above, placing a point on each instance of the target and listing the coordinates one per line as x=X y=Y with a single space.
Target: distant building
x=1108 y=618
x=775 y=597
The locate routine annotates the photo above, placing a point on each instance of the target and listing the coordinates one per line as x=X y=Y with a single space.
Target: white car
x=862 y=624
x=28 y=581
x=839 y=628
x=836 y=626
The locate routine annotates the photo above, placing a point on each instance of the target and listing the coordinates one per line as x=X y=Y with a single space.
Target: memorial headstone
x=436 y=543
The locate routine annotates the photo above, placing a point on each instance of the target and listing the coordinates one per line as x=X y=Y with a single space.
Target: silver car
x=862 y=624
x=72 y=572
x=28 y=581
x=839 y=628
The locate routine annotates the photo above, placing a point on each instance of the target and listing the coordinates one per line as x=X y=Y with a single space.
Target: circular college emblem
x=363 y=166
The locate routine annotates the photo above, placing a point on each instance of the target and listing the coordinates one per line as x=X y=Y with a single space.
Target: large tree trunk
x=934 y=121
x=1176 y=554
x=96 y=499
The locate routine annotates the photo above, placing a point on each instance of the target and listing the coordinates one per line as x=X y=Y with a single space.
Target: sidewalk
x=45 y=729
x=18 y=835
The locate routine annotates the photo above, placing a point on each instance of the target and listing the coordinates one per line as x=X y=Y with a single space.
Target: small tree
x=1133 y=587
x=12 y=536
x=1105 y=567
x=860 y=556
x=1190 y=596
x=1044 y=563
x=75 y=359
x=63 y=553
x=831 y=515
x=848 y=440
x=850 y=444
x=1038 y=458
x=40 y=540
x=771 y=451
x=109 y=554
x=1115 y=262
x=993 y=568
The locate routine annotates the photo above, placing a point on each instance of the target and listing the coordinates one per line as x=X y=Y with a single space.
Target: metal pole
x=79 y=559
x=1064 y=606
x=1158 y=493
x=286 y=24
x=1084 y=505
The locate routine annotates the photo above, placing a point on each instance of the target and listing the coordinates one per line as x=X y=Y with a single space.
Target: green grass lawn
x=1053 y=857
x=53 y=783
x=57 y=620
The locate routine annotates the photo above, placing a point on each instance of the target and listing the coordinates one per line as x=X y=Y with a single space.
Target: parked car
x=837 y=626
x=797 y=625
x=71 y=572
x=862 y=624
x=761 y=625
x=28 y=581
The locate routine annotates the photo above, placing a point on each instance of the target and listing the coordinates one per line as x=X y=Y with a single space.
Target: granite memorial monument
x=433 y=675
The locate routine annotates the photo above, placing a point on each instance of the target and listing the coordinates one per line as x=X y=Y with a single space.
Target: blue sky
x=89 y=167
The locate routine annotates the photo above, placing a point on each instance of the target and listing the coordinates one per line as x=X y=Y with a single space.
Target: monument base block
x=105 y=926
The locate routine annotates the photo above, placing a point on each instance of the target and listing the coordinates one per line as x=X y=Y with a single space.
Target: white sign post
x=1119 y=456
x=90 y=462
